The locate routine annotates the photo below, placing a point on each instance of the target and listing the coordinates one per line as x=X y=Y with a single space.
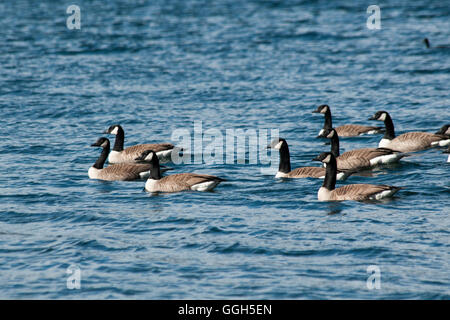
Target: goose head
x=148 y=156
x=101 y=142
x=379 y=116
x=322 y=109
x=277 y=143
x=427 y=42
x=445 y=130
x=324 y=157
x=114 y=129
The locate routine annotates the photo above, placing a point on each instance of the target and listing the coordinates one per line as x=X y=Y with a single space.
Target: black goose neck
x=330 y=174
x=390 y=132
x=335 y=144
x=285 y=159
x=120 y=138
x=155 y=171
x=101 y=160
x=328 y=124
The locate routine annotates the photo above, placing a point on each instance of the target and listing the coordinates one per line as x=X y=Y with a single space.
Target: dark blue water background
x=155 y=66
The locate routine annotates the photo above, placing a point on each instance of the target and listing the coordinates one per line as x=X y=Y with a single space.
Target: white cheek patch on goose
x=115 y=130
x=327 y=159
x=149 y=157
x=321 y=132
x=382 y=117
x=278 y=145
x=103 y=145
x=324 y=110
x=331 y=134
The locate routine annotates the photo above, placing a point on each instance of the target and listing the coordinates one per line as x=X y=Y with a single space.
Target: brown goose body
x=358 y=159
x=357 y=192
x=121 y=172
x=353 y=130
x=119 y=154
x=412 y=141
x=348 y=130
x=284 y=168
x=129 y=154
x=183 y=181
x=305 y=172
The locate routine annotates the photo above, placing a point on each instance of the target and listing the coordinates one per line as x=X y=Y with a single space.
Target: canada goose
x=444 y=130
x=121 y=171
x=447 y=151
x=360 y=158
x=176 y=182
x=121 y=155
x=348 y=130
x=284 y=168
x=410 y=141
x=358 y=192
x=427 y=43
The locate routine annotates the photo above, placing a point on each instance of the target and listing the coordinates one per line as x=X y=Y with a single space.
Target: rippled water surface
x=156 y=66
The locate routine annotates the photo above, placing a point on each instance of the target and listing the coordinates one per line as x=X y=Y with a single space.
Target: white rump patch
x=144 y=174
x=441 y=143
x=390 y=158
x=164 y=156
x=384 y=194
x=205 y=186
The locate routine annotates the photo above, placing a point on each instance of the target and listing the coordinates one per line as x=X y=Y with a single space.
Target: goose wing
x=351 y=130
x=359 y=191
x=360 y=158
x=307 y=172
x=184 y=181
x=414 y=141
x=123 y=171
x=131 y=153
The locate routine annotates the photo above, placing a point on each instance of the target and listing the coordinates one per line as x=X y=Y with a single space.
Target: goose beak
x=94 y=145
x=105 y=131
x=316 y=159
x=315 y=111
x=372 y=118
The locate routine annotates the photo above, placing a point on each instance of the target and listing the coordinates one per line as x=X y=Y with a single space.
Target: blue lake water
x=156 y=66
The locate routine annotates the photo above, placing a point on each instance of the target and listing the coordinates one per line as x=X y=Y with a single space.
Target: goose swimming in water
x=284 y=168
x=359 y=159
x=176 y=182
x=410 y=141
x=128 y=155
x=121 y=171
x=348 y=130
x=358 y=192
